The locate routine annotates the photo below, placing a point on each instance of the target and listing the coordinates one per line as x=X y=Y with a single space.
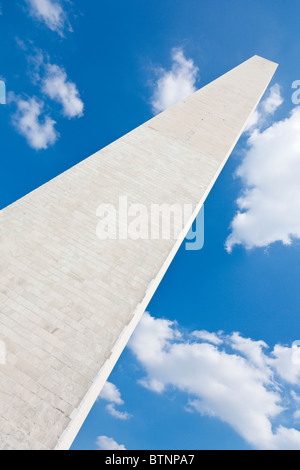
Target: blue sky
x=81 y=74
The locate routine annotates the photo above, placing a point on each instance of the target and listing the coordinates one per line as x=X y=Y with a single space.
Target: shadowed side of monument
x=69 y=300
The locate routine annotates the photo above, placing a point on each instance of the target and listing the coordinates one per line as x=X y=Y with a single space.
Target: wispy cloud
x=175 y=84
x=108 y=443
x=123 y=415
x=112 y=394
x=266 y=109
x=31 y=122
x=49 y=12
x=269 y=206
x=236 y=380
x=55 y=85
x=207 y=336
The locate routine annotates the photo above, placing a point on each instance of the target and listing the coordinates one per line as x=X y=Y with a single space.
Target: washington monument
x=69 y=301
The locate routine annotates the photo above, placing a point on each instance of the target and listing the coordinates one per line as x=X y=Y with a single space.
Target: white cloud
x=123 y=415
x=213 y=338
x=286 y=366
x=273 y=100
x=266 y=108
x=252 y=350
x=50 y=12
x=112 y=394
x=175 y=84
x=56 y=85
x=253 y=120
x=295 y=396
x=108 y=443
x=239 y=384
x=35 y=61
x=29 y=121
x=269 y=206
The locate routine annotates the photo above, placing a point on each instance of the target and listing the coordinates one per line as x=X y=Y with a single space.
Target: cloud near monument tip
x=269 y=205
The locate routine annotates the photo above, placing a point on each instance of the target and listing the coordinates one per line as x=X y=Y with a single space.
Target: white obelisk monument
x=69 y=301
